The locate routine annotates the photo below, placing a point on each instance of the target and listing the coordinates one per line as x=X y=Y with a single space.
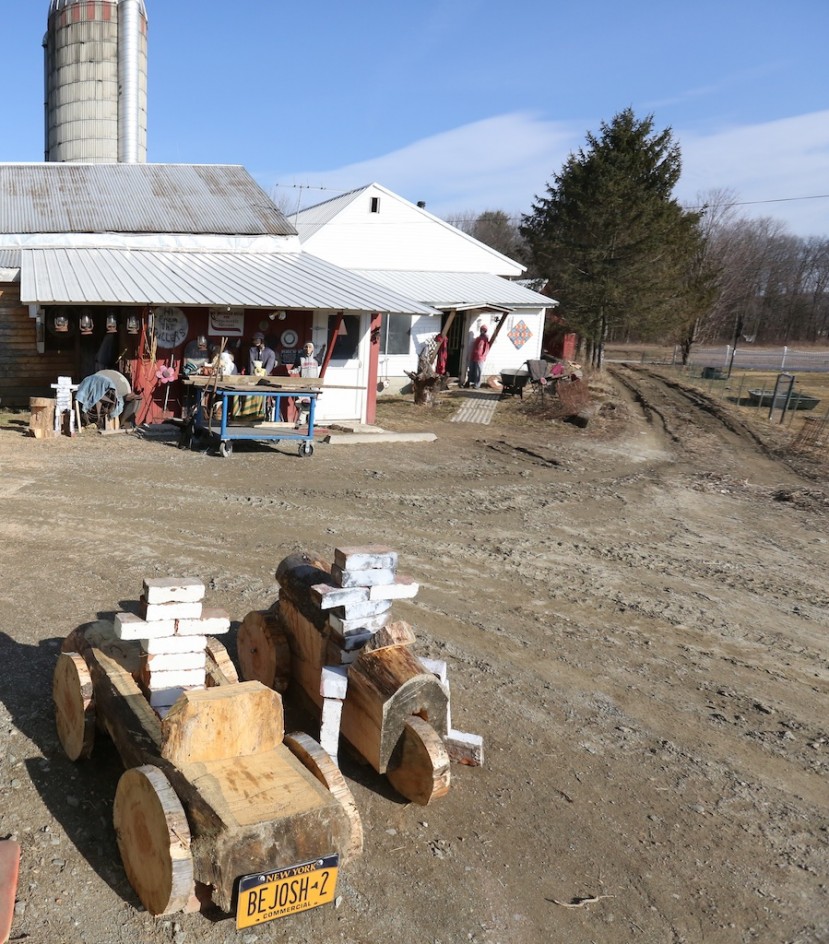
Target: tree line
x=628 y=262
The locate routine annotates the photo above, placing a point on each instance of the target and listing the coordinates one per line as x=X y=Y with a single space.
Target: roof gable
x=374 y=228
x=136 y=198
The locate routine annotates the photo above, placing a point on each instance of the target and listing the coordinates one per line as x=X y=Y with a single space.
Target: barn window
x=375 y=204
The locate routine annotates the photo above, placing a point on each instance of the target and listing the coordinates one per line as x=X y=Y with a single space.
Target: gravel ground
x=633 y=615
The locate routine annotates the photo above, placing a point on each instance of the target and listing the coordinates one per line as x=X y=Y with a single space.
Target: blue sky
x=470 y=104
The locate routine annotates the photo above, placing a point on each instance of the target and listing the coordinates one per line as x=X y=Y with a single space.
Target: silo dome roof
x=56 y=5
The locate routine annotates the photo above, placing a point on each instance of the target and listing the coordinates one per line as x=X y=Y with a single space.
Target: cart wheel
x=154 y=840
x=225 y=449
x=74 y=705
x=306 y=448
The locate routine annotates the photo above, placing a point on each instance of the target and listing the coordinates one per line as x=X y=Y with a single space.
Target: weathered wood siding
x=23 y=372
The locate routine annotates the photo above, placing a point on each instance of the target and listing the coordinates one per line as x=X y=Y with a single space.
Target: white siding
x=399 y=236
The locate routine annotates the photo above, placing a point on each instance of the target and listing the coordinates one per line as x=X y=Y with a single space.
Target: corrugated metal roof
x=250 y=280
x=458 y=289
x=9 y=258
x=310 y=219
x=136 y=198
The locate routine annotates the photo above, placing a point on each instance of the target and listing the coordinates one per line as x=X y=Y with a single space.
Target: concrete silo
x=95 y=62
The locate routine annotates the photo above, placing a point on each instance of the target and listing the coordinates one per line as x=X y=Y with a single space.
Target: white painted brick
x=130 y=626
x=465 y=749
x=176 y=661
x=170 y=611
x=327 y=597
x=357 y=610
x=369 y=557
x=166 y=697
x=182 y=677
x=437 y=667
x=173 y=590
x=168 y=644
x=366 y=624
x=362 y=578
x=333 y=681
x=332 y=709
x=403 y=588
x=213 y=622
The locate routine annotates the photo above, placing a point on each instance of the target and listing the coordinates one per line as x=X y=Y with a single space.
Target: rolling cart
x=218 y=409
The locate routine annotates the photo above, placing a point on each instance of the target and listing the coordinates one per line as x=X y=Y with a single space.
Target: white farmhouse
x=388 y=240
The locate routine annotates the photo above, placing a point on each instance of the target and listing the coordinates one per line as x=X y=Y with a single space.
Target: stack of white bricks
x=367 y=583
x=172 y=627
x=359 y=606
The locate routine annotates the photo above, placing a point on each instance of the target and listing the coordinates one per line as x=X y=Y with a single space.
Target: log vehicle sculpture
x=217 y=804
x=330 y=634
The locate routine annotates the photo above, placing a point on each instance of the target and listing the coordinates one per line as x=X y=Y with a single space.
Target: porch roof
x=101 y=276
x=459 y=290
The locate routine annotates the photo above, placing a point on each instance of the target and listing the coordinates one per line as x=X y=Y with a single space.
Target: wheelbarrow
x=514 y=381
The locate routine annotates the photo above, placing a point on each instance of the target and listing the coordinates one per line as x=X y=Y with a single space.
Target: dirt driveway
x=634 y=616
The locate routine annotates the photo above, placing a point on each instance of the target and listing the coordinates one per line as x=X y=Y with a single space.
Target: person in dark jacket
x=260 y=352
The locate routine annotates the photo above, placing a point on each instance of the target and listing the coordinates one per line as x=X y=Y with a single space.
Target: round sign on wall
x=289 y=338
x=170 y=326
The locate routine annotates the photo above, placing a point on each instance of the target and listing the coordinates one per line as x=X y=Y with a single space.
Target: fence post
x=783 y=362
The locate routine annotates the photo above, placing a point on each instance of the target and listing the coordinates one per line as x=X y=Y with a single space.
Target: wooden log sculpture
x=211 y=792
x=392 y=701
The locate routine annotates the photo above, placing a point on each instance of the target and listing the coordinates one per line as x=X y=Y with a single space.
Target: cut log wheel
x=319 y=763
x=264 y=653
x=154 y=840
x=219 y=670
x=74 y=705
x=419 y=766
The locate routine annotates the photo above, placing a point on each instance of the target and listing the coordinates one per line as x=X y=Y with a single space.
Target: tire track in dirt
x=684 y=401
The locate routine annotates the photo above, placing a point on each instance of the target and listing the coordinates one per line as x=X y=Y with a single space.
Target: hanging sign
x=170 y=326
x=226 y=324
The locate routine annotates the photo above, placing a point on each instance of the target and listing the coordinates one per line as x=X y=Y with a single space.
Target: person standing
x=260 y=352
x=477 y=357
x=306 y=363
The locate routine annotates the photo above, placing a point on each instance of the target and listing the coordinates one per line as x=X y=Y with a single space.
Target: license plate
x=268 y=895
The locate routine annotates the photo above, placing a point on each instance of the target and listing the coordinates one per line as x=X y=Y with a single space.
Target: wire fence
x=725 y=357
x=784 y=358
x=783 y=386
x=782 y=398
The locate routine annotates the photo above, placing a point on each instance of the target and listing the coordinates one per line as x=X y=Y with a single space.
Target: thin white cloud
x=497 y=163
x=785 y=162
x=505 y=161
